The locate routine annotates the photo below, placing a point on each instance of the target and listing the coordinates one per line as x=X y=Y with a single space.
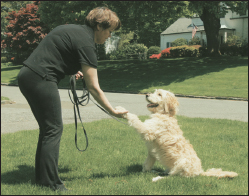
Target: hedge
x=181 y=51
x=234 y=50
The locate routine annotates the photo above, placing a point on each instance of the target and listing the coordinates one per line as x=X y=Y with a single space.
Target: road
x=18 y=116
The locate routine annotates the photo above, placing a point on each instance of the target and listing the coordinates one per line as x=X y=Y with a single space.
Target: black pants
x=44 y=100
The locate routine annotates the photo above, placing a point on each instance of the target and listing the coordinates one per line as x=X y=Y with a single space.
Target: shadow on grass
x=137 y=75
x=23 y=174
x=132 y=169
x=129 y=170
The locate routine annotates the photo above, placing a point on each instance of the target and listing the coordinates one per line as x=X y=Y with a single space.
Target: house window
x=168 y=44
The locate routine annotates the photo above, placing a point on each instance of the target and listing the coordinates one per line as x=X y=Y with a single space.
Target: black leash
x=76 y=102
x=83 y=101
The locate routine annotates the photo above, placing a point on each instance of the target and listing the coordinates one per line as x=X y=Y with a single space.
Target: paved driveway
x=18 y=116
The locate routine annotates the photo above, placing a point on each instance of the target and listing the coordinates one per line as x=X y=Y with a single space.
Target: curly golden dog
x=165 y=141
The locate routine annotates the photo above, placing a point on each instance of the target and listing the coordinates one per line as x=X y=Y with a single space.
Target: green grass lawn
x=4 y=98
x=113 y=161
x=223 y=76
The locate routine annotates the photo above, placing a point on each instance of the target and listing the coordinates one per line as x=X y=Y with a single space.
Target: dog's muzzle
x=151 y=105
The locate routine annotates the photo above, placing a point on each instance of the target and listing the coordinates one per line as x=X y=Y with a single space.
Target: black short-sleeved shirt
x=62 y=51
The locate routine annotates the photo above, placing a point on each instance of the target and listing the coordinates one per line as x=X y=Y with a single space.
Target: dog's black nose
x=147 y=95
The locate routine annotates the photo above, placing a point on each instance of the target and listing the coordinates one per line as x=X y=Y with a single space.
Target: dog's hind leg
x=149 y=162
x=165 y=173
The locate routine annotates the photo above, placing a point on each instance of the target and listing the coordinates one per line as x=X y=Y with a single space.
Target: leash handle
x=79 y=101
x=76 y=103
x=75 y=115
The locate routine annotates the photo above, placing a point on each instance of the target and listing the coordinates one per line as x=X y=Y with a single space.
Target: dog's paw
x=119 y=108
x=131 y=116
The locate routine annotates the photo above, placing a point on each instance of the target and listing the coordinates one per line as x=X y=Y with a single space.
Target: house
x=231 y=24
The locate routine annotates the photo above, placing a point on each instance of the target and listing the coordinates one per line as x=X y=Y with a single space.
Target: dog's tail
x=219 y=173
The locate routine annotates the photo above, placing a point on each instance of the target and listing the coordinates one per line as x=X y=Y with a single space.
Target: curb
x=207 y=97
x=7 y=102
x=177 y=95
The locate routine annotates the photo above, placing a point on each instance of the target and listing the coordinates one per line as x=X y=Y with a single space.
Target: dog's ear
x=171 y=106
x=166 y=108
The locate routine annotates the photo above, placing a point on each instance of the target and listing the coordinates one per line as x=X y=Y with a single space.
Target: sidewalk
x=18 y=116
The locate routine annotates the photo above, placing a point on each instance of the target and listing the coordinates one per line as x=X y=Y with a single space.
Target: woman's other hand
x=79 y=75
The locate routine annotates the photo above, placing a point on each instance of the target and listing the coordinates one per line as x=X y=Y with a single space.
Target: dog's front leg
x=134 y=121
x=141 y=128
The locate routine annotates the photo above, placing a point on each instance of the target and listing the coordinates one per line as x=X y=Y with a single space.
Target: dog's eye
x=159 y=94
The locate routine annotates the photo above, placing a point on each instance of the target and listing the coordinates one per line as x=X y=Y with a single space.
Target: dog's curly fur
x=165 y=141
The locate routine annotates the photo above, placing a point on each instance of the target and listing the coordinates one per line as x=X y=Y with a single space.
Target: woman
x=64 y=51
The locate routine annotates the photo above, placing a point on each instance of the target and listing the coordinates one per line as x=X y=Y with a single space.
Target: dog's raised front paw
x=131 y=116
x=119 y=108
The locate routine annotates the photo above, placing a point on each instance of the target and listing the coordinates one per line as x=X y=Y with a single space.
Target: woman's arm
x=92 y=82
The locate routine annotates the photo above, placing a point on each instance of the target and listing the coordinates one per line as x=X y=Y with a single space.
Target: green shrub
x=154 y=50
x=117 y=55
x=234 y=46
x=4 y=60
x=230 y=50
x=184 y=51
x=101 y=54
x=128 y=49
x=234 y=40
x=202 y=51
x=244 y=50
x=191 y=52
x=178 y=51
x=196 y=46
x=125 y=39
x=135 y=48
x=195 y=41
x=179 y=42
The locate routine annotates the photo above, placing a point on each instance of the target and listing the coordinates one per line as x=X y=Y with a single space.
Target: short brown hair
x=103 y=16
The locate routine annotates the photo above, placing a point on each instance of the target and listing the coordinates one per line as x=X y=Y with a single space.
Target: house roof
x=184 y=25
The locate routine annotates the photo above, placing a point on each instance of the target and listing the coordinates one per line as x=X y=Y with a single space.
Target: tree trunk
x=211 y=26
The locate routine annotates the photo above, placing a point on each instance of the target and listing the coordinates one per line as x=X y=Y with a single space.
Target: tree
x=9 y=6
x=24 y=32
x=147 y=19
x=210 y=13
x=55 y=13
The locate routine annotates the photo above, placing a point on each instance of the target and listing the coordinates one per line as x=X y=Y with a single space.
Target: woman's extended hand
x=79 y=75
x=119 y=112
